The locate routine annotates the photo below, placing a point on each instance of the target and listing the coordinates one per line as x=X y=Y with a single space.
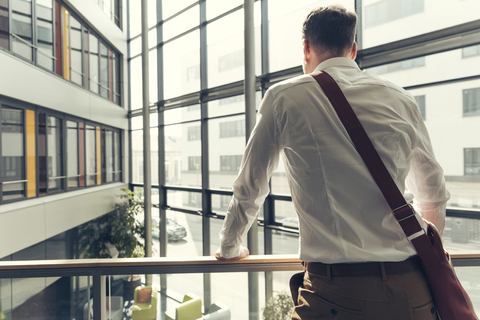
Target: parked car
x=175 y=231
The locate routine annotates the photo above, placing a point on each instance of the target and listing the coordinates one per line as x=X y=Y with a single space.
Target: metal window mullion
x=265 y=37
x=359 y=12
x=206 y=196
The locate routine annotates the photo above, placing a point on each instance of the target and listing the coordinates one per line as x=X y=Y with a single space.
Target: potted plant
x=279 y=307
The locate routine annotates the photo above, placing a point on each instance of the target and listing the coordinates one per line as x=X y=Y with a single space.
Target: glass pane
x=284 y=242
x=230 y=105
x=118 y=156
x=72 y=154
x=152 y=76
x=42 y=153
x=169 y=7
x=217 y=7
x=137 y=156
x=45 y=34
x=4 y=25
x=187 y=79
x=184 y=234
x=182 y=114
x=387 y=21
x=109 y=155
x=226 y=146
x=226 y=49
x=279 y=183
x=55 y=163
x=13 y=158
x=181 y=23
x=461 y=234
x=182 y=156
x=104 y=84
x=94 y=61
x=285 y=19
x=185 y=200
x=91 y=155
x=22 y=28
x=76 y=51
x=220 y=203
x=136 y=83
x=135 y=11
x=45 y=297
x=285 y=214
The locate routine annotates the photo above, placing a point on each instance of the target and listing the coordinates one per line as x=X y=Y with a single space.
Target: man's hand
x=243 y=254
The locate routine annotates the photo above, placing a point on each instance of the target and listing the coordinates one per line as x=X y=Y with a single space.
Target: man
x=359 y=264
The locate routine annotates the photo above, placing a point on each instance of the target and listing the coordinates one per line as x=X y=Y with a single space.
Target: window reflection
x=91 y=155
x=22 y=28
x=13 y=157
x=72 y=155
x=45 y=34
x=55 y=161
x=76 y=51
x=4 y=30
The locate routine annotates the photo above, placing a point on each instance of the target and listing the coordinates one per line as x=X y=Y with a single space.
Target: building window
x=471 y=161
x=398 y=66
x=194 y=133
x=117 y=165
x=54 y=151
x=91 y=155
x=231 y=100
x=45 y=50
x=232 y=129
x=471 y=51
x=73 y=172
x=94 y=60
x=471 y=102
x=421 y=106
x=388 y=10
x=230 y=61
x=76 y=65
x=230 y=163
x=13 y=154
x=104 y=72
x=22 y=42
x=4 y=30
x=193 y=73
x=194 y=163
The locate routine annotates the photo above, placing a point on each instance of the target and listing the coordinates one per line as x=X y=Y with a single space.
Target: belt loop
x=329 y=272
x=382 y=269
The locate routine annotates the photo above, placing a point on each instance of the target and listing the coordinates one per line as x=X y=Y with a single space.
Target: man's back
x=343 y=217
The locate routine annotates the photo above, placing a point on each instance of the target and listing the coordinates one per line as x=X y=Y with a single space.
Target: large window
x=22 y=41
x=13 y=154
x=472 y=161
x=471 y=102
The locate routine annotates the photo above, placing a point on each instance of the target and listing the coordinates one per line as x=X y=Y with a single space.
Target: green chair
x=189 y=309
x=145 y=303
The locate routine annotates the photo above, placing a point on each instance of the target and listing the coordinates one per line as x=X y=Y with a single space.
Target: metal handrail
x=12 y=182
x=33 y=46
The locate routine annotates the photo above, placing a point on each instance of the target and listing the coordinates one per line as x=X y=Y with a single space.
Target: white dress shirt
x=343 y=216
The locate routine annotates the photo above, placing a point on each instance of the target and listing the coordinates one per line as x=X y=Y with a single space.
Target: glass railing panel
x=217 y=287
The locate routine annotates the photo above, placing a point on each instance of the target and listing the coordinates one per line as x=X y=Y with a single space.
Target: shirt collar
x=337 y=62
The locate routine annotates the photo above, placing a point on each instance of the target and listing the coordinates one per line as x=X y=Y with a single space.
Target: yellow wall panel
x=99 y=157
x=31 y=153
x=66 y=44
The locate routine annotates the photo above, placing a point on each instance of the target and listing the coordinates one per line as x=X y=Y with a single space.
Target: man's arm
x=260 y=159
x=426 y=180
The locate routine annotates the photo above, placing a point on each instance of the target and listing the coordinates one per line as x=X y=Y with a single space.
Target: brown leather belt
x=363 y=268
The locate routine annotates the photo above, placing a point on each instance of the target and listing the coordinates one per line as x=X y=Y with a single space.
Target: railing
x=100 y=268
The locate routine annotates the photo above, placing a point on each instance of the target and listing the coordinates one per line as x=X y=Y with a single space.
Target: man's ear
x=353 y=52
x=306 y=51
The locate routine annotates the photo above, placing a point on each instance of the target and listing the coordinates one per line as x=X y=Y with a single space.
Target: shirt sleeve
x=250 y=188
x=426 y=180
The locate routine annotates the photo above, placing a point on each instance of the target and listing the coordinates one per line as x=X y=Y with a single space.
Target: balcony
x=95 y=289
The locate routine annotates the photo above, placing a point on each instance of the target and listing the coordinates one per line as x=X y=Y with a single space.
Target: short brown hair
x=330 y=28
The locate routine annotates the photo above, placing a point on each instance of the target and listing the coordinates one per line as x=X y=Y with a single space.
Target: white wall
x=25 y=223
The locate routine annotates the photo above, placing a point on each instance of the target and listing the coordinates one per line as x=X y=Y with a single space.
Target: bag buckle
x=401 y=207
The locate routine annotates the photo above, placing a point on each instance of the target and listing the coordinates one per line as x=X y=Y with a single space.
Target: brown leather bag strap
x=402 y=211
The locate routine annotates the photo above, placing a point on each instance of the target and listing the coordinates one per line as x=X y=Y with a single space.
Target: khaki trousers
x=384 y=297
